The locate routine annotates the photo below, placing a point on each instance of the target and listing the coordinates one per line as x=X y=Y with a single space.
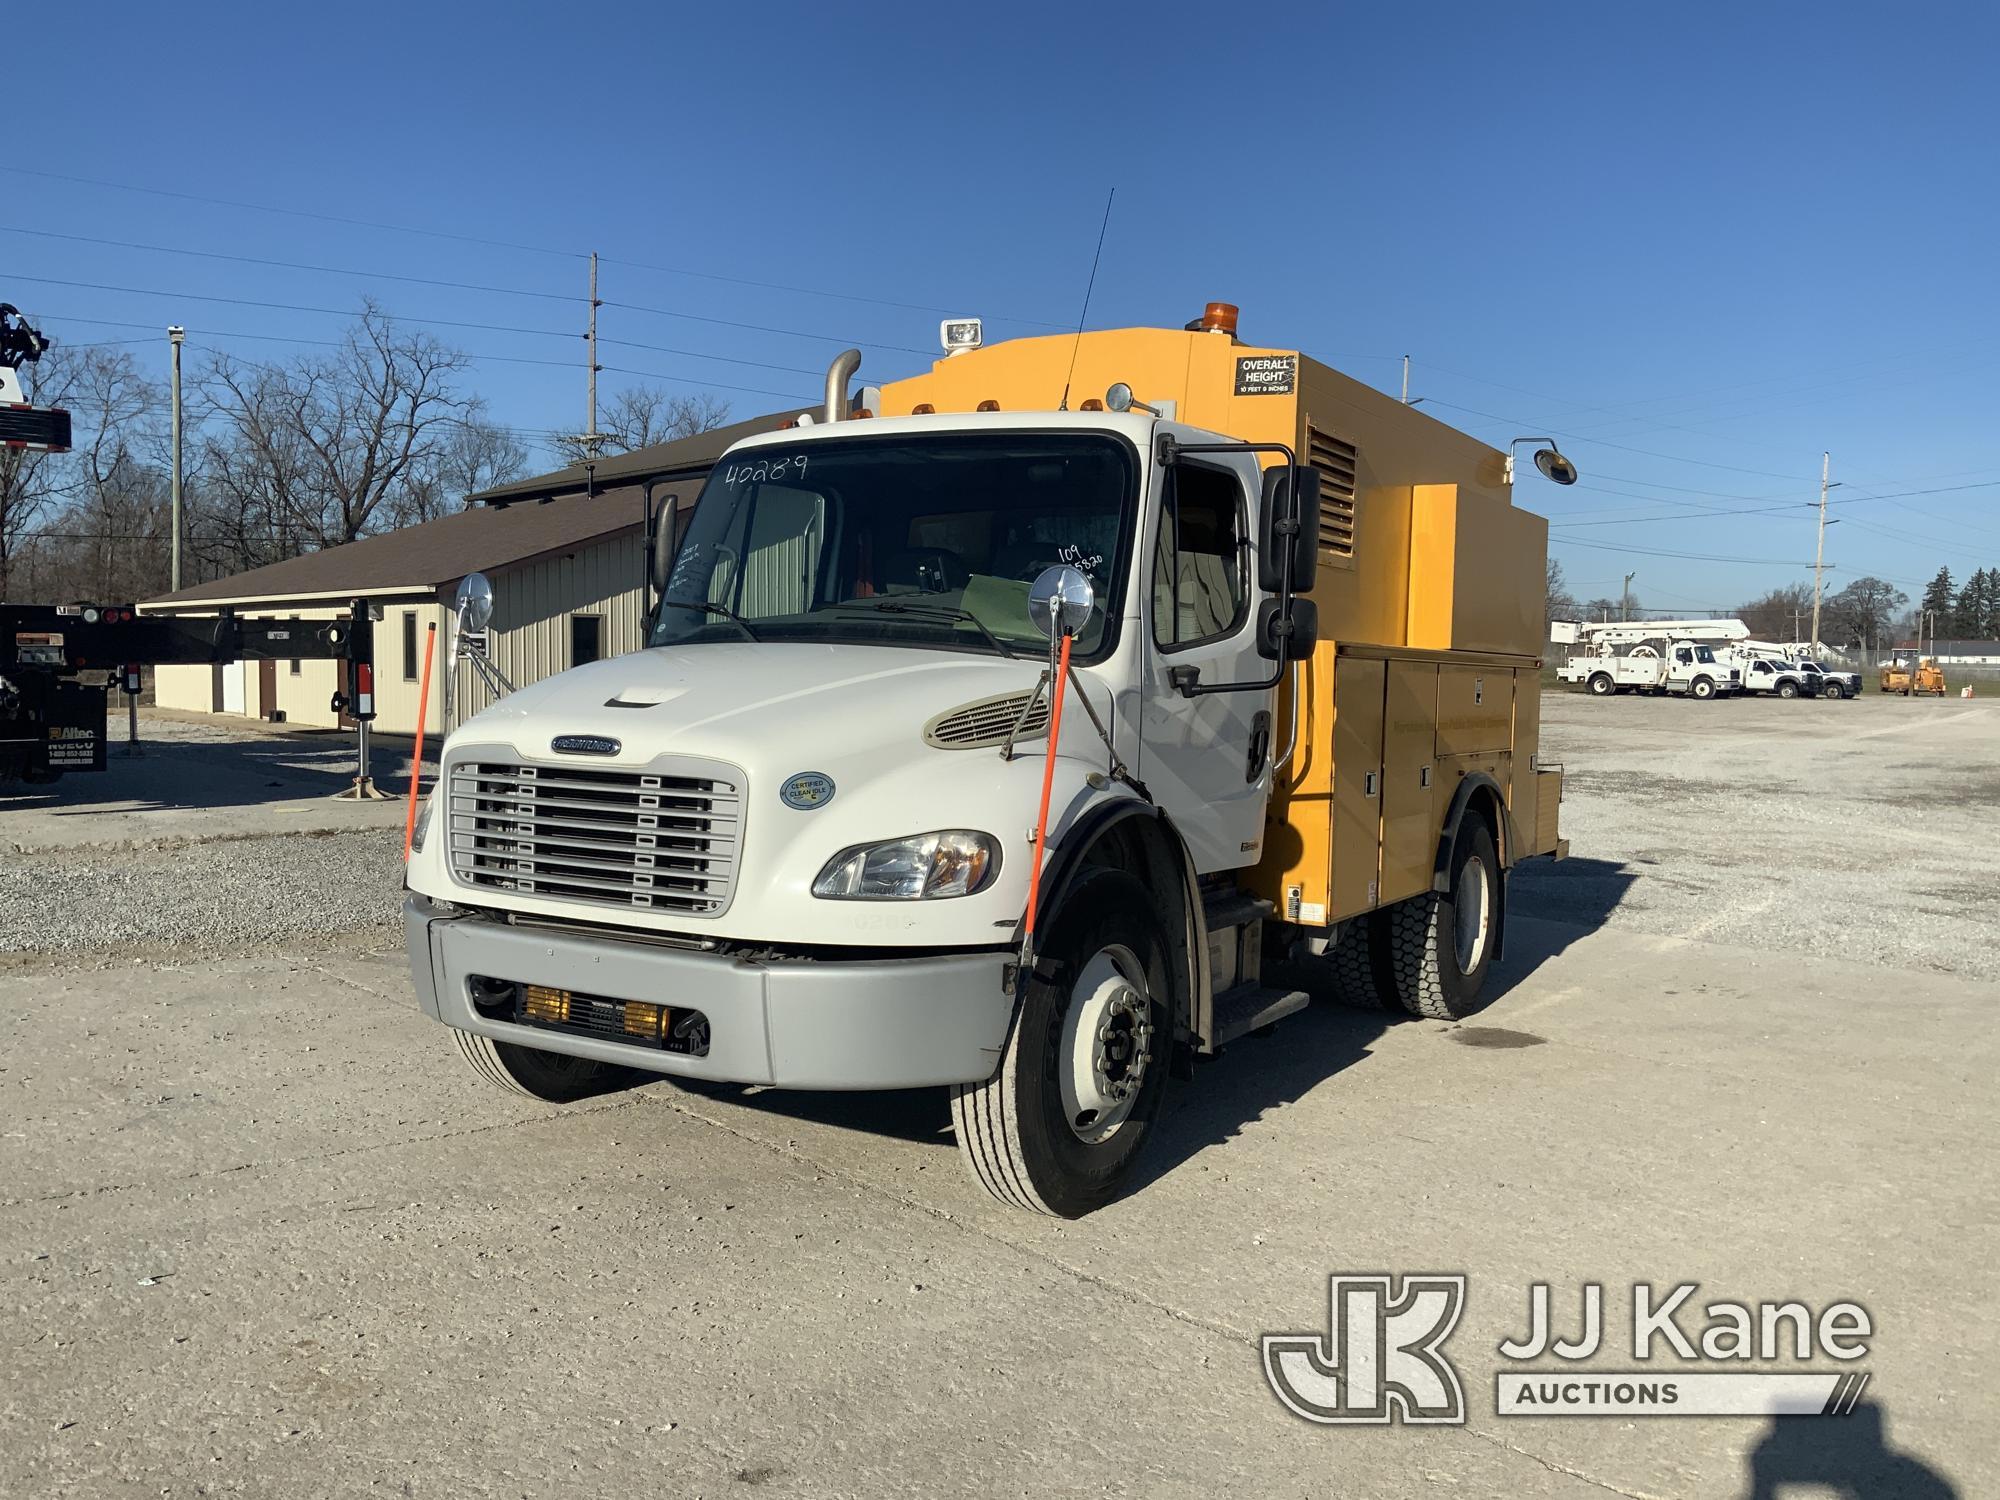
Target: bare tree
x=1780 y=615
x=1863 y=612
x=32 y=484
x=1558 y=602
x=477 y=456
x=640 y=416
x=332 y=444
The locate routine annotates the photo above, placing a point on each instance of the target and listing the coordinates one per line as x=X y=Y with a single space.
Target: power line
x=1600 y=442
x=469 y=239
x=1761 y=562
x=792 y=333
x=294 y=265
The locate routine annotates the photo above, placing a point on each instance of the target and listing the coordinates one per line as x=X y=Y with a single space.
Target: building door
x=267 y=687
x=586 y=639
x=232 y=687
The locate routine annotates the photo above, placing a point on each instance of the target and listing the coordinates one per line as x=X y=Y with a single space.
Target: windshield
x=909 y=541
x=1702 y=653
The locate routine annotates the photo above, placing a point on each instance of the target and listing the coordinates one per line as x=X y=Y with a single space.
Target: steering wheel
x=1034 y=570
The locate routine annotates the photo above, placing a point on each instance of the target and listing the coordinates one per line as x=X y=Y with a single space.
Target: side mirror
x=475 y=601
x=1287 y=635
x=1060 y=601
x=1288 y=520
x=660 y=542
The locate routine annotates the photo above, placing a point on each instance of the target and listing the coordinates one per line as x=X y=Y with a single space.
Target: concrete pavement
x=262 y=1233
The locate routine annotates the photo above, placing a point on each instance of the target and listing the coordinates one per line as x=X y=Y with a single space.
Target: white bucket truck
x=1688 y=657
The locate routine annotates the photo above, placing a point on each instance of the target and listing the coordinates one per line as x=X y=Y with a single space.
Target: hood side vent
x=973 y=726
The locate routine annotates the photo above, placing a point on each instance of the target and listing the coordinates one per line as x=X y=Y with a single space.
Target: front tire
x=1703 y=687
x=1057 y=1129
x=552 y=1077
x=1788 y=690
x=1834 y=691
x=1441 y=945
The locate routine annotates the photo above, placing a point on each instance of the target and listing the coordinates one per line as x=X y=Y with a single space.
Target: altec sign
x=1382 y=1358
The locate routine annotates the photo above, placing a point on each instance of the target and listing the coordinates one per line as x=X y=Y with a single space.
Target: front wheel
x=1834 y=691
x=1788 y=690
x=1057 y=1129
x=553 y=1077
x=1704 y=687
x=1440 y=946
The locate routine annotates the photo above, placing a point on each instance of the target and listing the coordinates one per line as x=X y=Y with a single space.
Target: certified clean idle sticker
x=807 y=790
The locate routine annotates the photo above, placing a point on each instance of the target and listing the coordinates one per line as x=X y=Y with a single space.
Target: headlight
x=956 y=862
x=423 y=823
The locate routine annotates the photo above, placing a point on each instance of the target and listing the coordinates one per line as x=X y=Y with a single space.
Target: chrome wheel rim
x=1106 y=1044
x=1473 y=914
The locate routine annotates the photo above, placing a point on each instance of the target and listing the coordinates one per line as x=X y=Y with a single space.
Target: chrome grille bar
x=657 y=841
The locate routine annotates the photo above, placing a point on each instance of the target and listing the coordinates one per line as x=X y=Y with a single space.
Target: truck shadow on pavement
x=1848 y=1456
x=238 y=772
x=1568 y=900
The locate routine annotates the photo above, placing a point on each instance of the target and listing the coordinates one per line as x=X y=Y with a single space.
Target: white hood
x=855 y=714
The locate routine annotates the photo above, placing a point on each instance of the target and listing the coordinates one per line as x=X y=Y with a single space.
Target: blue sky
x=1699 y=245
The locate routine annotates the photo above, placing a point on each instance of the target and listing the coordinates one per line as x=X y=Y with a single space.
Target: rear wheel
x=550 y=1076
x=1357 y=977
x=1058 y=1127
x=1441 y=945
x=1703 y=687
x=1601 y=685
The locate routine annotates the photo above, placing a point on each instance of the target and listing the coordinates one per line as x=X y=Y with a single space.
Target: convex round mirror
x=1555 y=466
x=475 y=601
x=1059 y=602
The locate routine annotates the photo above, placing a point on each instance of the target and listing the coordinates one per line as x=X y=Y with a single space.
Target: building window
x=586 y=639
x=409 y=645
x=295 y=668
x=1198 y=582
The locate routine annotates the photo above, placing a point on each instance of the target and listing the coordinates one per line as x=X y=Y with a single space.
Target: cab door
x=1206 y=758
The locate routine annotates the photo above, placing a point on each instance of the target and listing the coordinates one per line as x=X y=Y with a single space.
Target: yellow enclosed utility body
x=1422 y=699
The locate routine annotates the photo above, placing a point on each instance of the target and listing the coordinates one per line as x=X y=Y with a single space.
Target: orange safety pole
x=417 y=755
x=1048 y=782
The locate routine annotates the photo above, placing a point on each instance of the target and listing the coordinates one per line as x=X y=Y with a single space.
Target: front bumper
x=863 y=1023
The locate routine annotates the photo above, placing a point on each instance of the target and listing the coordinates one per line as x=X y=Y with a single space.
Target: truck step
x=1233 y=909
x=1250 y=1007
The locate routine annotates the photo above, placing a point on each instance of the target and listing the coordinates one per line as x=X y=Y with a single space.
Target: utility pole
x=1406 y=380
x=590 y=427
x=1625 y=609
x=1819 y=551
x=175 y=333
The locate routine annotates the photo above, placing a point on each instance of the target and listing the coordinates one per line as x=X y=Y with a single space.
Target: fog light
x=544 y=1004
x=649 y=1021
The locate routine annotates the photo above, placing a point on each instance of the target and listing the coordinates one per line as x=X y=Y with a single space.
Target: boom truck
x=1688 y=657
x=989 y=740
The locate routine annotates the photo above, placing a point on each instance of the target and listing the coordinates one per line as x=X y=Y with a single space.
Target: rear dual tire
x=1429 y=955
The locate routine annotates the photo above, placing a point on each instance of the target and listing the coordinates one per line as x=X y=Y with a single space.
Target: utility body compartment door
x=1410 y=806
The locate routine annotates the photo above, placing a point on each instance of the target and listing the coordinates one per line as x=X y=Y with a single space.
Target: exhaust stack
x=837 y=375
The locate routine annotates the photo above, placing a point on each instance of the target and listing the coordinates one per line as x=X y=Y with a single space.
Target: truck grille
x=618 y=838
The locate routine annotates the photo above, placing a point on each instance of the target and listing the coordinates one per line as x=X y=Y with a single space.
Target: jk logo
x=1379 y=1360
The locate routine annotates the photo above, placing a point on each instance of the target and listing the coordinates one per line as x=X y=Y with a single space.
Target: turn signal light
x=988 y=405
x=1090 y=403
x=646 y=1020
x=923 y=409
x=544 y=1004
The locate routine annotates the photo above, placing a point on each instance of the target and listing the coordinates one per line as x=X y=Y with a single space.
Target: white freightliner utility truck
x=983 y=744
x=1686 y=657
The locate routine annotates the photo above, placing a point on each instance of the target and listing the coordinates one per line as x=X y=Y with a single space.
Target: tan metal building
x=564 y=552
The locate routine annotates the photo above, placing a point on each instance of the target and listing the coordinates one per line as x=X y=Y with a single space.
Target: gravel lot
x=262 y=1232
x=1869 y=829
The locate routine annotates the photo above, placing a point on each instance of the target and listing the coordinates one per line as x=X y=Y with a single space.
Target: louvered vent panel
x=987 y=722
x=1335 y=461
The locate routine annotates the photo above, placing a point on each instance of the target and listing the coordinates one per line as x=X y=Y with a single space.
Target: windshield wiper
x=893 y=606
x=710 y=607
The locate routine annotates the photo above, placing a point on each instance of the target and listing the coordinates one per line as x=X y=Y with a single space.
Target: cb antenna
x=1089 y=287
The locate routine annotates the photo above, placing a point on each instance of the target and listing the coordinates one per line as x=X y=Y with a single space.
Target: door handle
x=1260 y=745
